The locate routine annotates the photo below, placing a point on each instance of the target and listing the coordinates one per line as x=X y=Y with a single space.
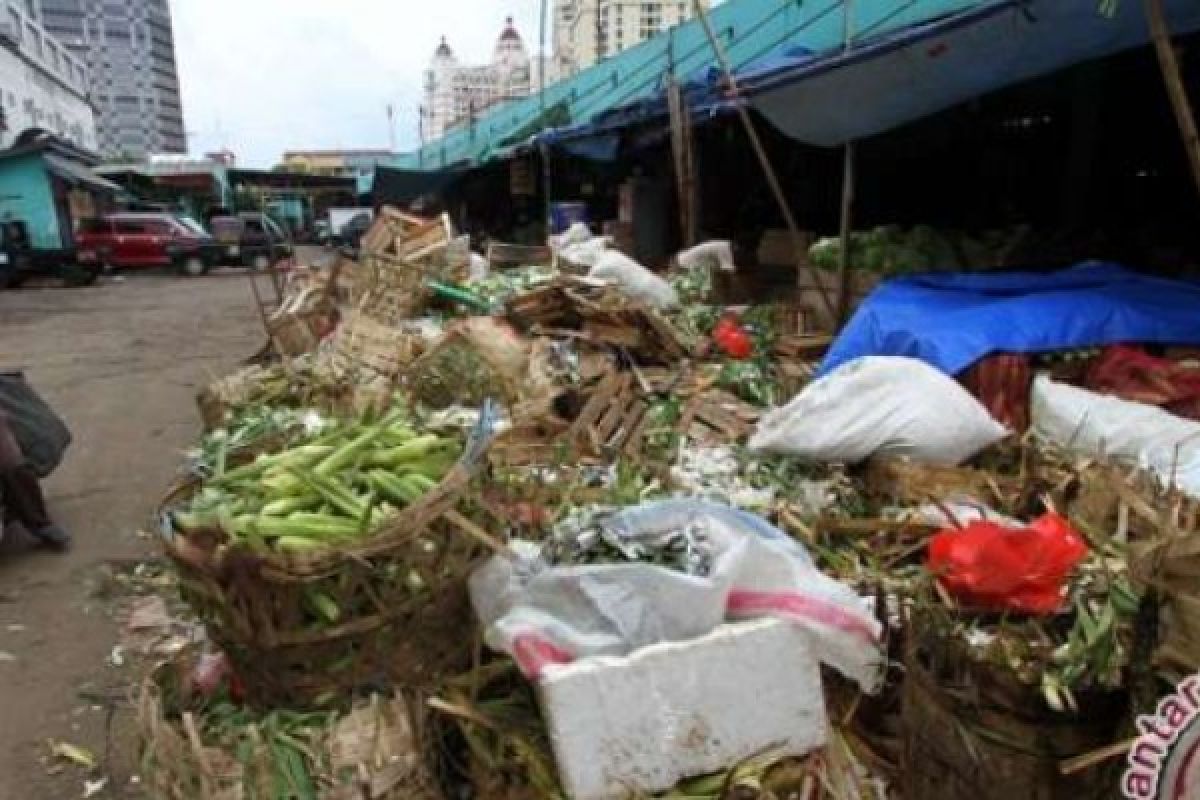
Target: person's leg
x=21 y=494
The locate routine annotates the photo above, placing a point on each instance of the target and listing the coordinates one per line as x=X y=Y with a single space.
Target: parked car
x=251 y=239
x=133 y=241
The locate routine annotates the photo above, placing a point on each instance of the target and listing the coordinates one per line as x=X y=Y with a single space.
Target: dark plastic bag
x=41 y=433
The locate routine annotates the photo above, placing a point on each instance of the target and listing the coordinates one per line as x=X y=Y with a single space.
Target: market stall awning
x=402 y=186
x=77 y=174
x=752 y=32
x=911 y=73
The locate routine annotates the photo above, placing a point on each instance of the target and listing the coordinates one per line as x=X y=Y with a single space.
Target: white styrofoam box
x=679 y=710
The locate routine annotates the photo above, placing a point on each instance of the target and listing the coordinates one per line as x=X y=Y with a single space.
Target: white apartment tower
x=588 y=31
x=456 y=94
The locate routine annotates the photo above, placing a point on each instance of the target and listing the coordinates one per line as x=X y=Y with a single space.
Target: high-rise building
x=455 y=94
x=42 y=84
x=129 y=46
x=587 y=31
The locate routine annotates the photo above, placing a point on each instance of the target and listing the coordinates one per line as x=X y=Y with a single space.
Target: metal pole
x=765 y=162
x=1169 y=64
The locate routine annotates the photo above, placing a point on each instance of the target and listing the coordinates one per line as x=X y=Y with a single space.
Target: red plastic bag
x=732 y=339
x=992 y=567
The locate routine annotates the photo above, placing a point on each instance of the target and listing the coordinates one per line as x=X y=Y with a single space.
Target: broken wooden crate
x=601 y=315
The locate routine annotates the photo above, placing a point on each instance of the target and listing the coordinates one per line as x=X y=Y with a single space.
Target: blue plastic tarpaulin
x=951 y=321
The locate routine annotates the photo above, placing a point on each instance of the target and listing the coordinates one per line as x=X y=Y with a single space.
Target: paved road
x=121 y=362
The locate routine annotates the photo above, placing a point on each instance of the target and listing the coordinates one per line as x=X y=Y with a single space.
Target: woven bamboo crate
x=716 y=417
x=401 y=593
x=611 y=423
x=363 y=344
x=477 y=359
x=424 y=239
x=606 y=424
x=502 y=256
x=389 y=226
x=298 y=333
x=373 y=753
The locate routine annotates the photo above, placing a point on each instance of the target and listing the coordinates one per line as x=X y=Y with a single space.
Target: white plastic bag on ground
x=635 y=280
x=585 y=254
x=1102 y=425
x=547 y=616
x=880 y=405
x=578 y=233
x=710 y=255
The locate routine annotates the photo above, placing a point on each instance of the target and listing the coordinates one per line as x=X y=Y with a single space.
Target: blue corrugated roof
x=755 y=32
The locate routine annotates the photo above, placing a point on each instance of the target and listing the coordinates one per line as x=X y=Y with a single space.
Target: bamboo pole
x=847 y=224
x=1168 y=61
x=685 y=168
x=765 y=162
x=848 y=187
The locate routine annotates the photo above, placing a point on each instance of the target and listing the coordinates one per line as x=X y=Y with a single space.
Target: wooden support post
x=847 y=226
x=685 y=165
x=798 y=243
x=1169 y=63
x=848 y=178
x=546 y=187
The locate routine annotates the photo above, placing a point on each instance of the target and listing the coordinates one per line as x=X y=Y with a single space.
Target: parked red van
x=132 y=241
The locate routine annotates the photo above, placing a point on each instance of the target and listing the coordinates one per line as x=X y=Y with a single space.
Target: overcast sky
x=264 y=76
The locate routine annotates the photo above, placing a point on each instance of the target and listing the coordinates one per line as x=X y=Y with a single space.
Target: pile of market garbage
x=575 y=530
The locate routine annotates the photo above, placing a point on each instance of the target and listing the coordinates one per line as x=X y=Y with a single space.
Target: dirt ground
x=121 y=362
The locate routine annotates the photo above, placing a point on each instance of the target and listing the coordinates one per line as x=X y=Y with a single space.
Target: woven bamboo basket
x=395 y=289
x=392 y=226
x=1163 y=524
x=294 y=334
x=424 y=238
x=502 y=256
x=363 y=344
x=374 y=752
x=474 y=361
x=970 y=730
x=405 y=615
